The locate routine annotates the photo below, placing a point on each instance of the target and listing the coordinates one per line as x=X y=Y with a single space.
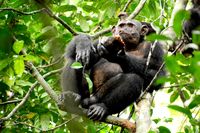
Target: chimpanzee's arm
x=131 y=64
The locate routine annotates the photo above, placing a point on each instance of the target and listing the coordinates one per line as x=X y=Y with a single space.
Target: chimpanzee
x=193 y=22
x=117 y=69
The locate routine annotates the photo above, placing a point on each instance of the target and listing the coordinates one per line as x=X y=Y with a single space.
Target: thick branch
x=180 y=4
x=143 y=116
x=121 y=122
x=110 y=119
x=42 y=82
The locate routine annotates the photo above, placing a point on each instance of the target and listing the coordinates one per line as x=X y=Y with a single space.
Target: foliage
x=44 y=40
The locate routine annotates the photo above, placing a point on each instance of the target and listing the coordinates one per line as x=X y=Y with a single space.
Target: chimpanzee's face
x=129 y=31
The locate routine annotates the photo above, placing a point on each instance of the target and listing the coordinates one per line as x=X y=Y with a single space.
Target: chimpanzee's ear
x=113 y=29
x=144 y=30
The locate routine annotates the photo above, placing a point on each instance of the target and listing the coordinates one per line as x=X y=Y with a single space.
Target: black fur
x=194 y=20
x=117 y=72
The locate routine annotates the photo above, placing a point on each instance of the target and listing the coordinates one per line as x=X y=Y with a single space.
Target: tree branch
x=10 y=102
x=156 y=75
x=126 y=6
x=20 y=104
x=45 y=10
x=110 y=119
x=60 y=124
x=54 y=63
x=143 y=116
x=180 y=4
x=21 y=12
x=35 y=73
x=52 y=15
x=100 y=33
x=121 y=122
x=137 y=9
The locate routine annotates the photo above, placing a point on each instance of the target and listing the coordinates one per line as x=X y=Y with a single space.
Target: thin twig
x=27 y=96
x=156 y=75
x=10 y=102
x=126 y=6
x=54 y=63
x=100 y=33
x=52 y=129
x=137 y=9
x=21 y=103
x=47 y=10
x=26 y=124
x=52 y=15
x=171 y=86
x=21 y=12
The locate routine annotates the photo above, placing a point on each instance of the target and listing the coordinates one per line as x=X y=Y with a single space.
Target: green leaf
x=45 y=121
x=19 y=66
x=89 y=8
x=23 y=83
x=17 y=46
x=157 y=120
x=188 y=129
x=174 y=96
x=196 y=37
x=153 y=37
x=31 y=58
x=168 y=119
x=65 y=8
x=195 y=102
x=91 y=129
x=111 y=10
x=83 y=23
x=152 y=131
x=187 y=96
x=163 y=129
x=181 y=109
x=4 y=63
x=76 y=65
x=178 y=21
x=89 y=81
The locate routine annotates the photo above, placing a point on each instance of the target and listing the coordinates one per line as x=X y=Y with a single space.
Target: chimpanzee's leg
x=121 y=92
x=74 y=88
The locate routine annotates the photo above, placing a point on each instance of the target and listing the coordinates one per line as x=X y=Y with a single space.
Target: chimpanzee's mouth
x=120 y=39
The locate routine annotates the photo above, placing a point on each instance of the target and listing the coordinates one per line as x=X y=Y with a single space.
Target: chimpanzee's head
x=129 y=31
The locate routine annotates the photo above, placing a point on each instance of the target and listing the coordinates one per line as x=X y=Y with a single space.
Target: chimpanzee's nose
x=120 y=31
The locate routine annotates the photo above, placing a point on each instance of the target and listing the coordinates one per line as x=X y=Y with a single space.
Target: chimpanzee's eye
x=130 y=24
x=121 y=25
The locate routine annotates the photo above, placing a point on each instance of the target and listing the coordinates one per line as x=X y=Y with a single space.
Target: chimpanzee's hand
x=89 y=101
x=109 y=46
x=97 y=111
x=83 y=48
